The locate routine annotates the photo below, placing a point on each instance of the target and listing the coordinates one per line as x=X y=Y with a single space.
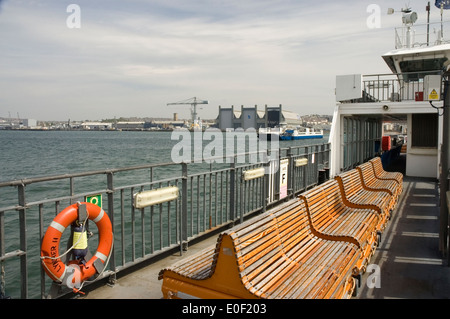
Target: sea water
x=28 y=154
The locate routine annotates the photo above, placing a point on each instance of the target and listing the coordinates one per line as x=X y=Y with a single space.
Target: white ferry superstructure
x=412 y=95
x=409 y=95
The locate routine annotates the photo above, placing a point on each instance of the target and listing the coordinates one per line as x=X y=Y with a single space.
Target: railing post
x=307 y=169
x=327 y=160
x=23 y=242
x=2 y=255
x=72 y=190
x=265 y=183
x=184 y=206
x=232 y=188
x=110 y=193
x=290 y=174
x=241 y=200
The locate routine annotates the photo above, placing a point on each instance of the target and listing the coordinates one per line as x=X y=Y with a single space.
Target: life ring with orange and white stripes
x=51 y=258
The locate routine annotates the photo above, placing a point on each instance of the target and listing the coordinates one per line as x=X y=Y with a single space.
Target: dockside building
x=251 y=117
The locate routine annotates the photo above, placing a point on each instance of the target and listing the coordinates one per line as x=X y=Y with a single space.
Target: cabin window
x=422 y=67
x=424 y=131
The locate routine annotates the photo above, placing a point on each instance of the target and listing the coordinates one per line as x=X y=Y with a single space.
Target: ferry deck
x=412 y=258
x=409 y=261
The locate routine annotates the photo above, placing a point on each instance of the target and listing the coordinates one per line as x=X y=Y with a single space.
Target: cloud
x=132 y=58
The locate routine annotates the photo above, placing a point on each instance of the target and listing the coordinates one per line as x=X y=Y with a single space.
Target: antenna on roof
x=409 y=17
x=405 y=10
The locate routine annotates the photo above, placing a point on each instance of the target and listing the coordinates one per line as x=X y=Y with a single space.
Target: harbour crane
x=193 y=102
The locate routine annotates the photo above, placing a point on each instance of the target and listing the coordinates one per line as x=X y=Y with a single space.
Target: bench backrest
x=350 y=182
x=377 y=165
x=282 y=233
x=316 y=201
x=256 y=243
x=274 y=241
x=324 y=205
x=367 y=172
x=295 y=230
x=317 y=206
x=333 y=194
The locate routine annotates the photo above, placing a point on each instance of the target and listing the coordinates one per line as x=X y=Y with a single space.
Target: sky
x=104 y=59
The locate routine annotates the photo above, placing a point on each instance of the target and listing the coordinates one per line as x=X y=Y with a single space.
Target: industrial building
x=130 y=126
x=18 y=123
x=251 y=117
x=96 y=126
x=30 y=123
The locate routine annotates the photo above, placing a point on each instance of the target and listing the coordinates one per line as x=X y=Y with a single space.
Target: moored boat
x=270 y=133
x=294 y=134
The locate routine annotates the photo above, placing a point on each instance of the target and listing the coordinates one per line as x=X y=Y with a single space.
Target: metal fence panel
x=209 y=197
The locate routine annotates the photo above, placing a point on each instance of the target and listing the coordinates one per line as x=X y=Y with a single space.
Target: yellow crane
x=193 y=102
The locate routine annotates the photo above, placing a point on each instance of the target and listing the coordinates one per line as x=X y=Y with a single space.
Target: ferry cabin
x=412 y=94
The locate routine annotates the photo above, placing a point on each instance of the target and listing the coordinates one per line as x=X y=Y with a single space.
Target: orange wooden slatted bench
x=275 y=255
x=370 y=181
x=354 y=195
x=380 y=173
x=330 y=217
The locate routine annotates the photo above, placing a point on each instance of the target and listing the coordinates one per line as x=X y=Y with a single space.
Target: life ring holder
x=74 y=274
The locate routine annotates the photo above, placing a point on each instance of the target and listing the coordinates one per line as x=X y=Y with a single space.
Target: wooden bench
x=380 y=173
x=354 y=195
x=275 y=255
x=370 y=182
x=330 y=217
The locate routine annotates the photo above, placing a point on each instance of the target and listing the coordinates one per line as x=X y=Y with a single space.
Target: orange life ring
x=50 y=256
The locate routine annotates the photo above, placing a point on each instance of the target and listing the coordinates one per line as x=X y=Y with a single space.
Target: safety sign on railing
x=95 y=199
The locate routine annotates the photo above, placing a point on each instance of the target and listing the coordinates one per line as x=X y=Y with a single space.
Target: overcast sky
x=131 y=58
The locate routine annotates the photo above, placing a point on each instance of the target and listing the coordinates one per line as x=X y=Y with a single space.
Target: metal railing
x=422 y=35
x=211 y=196
x=393 y=87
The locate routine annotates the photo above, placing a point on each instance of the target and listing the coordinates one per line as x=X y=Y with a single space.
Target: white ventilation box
x=348 y=87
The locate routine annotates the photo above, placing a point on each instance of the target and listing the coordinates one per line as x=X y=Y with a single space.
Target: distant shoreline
x=106 y=130
x=83 y=130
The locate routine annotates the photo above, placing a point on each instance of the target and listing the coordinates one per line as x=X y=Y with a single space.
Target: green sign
x=95 y=199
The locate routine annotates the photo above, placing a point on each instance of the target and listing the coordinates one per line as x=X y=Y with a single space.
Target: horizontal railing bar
x=58 y=199
x=397 y=74
x=9 y=208
x=52 y=200
x=32 y=180
x=172 y=179
x=209 y=172
x=15 y=253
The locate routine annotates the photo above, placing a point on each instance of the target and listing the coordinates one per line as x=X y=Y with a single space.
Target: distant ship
x=270 y=133
x=294 y=134
x=288 y=134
